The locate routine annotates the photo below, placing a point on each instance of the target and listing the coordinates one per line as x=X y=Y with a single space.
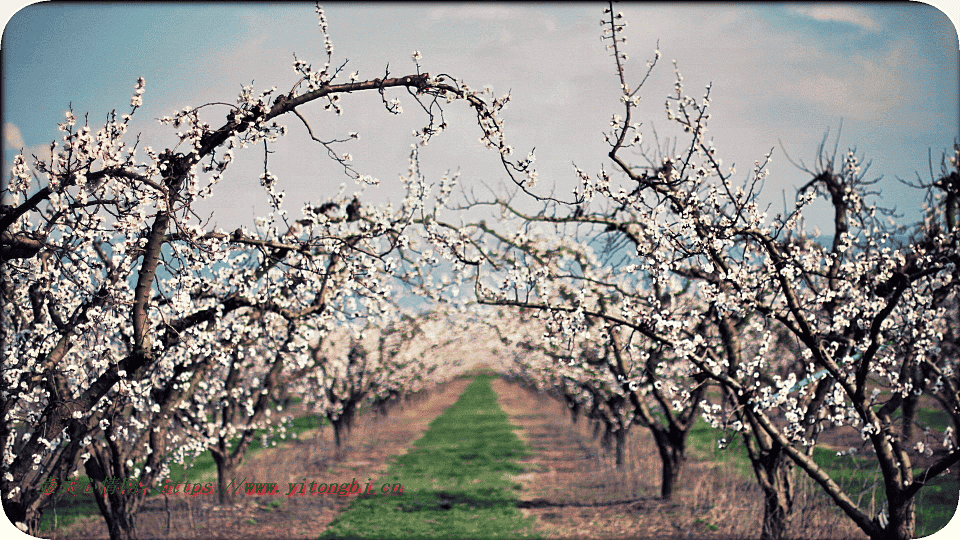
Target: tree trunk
x=120 y=517
x=671 y=444
x=226 y=468
x=776 y=514
x=574 y=408
x=119 y=507
x=117 y=500
x=597 y=426
x=16 y=513
x=621 y=438
x=901 y=520
x=338 y=437
x=775 y=474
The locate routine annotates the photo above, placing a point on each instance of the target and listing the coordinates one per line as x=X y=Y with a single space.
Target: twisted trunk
x=671 y=444
x=774 y=473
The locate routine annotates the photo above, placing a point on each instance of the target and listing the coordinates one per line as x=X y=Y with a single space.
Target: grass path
x=453 y=479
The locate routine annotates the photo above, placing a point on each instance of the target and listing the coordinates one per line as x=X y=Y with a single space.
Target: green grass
x=66 y=509
x=859 y=476
x=937 y=419
x=702 y=444
x=453 y=480
x=935 y=503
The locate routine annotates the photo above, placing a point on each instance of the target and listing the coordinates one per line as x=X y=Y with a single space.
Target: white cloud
x=841 y=14
x=12 y=136
x=13 y=139
x=864 y=87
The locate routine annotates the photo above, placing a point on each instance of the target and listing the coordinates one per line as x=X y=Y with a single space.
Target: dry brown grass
x=576 y=491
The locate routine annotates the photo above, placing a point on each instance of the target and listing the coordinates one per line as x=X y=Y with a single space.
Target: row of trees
x=671 y=293
x=134 y=334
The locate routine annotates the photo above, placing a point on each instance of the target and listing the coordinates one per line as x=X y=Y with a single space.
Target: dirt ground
x=575 y=491
x=572 y=488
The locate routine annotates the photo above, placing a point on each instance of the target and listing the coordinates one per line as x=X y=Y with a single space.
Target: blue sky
x=781 y=73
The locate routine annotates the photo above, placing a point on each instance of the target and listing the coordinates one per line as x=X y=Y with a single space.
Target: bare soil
x=575 y=490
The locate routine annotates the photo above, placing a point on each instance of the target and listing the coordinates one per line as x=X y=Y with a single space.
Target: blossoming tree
x=117 y=297
x=804 y=338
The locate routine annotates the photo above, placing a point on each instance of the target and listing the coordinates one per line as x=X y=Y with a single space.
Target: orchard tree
x=721 y=288
x=112 y=285
x=613 y=379
x=368 y=367
x=344 y=377
x=241 y=396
